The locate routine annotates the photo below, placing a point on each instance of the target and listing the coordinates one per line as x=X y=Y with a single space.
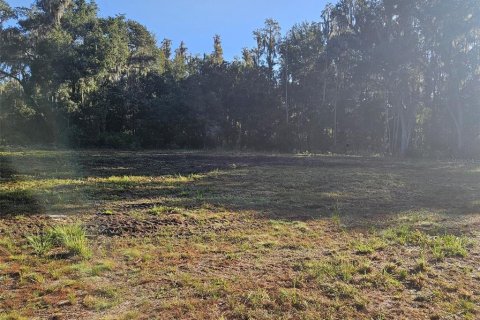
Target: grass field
x=178 y=235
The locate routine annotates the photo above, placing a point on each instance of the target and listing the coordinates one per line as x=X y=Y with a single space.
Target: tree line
x=397 y=77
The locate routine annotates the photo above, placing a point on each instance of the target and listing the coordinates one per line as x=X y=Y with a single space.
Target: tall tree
x=217 y=54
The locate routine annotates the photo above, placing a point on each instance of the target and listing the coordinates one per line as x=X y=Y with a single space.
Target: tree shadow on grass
x=15 y=202
x=360 y=196
x=361 y=190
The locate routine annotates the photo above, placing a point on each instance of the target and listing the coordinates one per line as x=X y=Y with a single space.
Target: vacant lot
x=124 y=235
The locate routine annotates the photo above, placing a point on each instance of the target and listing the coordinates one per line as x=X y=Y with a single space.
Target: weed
x=142 y=253
x=341 y=268
x=33 y=277
x=340 y=289
x=11 y=316
x=258 y=298
x=336 y=215
x=104 y=298
x=421 y=264
x=108 y=213
x=382 y=279
x=102 y=267
x=369 y=246
x=449 y=246
x=440 y=246
x=132 y=253
x=97 y=303
x=211 y=289
x=72 y=298
x=292 y=297
x=7 y=243
x=387 y=279
x=402 y=274
x=467 y=308
x=417 y=281
x=41 y=243
x=159 y=210
x=73 y=238
x=404 y=235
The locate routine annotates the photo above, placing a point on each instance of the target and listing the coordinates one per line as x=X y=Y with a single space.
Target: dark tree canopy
x=397 y=77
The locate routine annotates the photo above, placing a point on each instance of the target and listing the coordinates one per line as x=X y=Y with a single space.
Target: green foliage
x=334 y=85
x=369 y=245
x=42 y=243
x=98 y=303
x=257 y=298
x=7 y=243
x=293 y=297
x=73 y=238
x=336 y=216
x=440 y=246
x=11 y=316
x=159 y=210
x=69 y=237
x=405 y=235
x=341 y=268
x=449 y=246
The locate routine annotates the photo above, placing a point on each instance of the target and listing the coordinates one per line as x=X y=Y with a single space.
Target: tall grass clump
x=449 y=246
x=41 y=243
x=72 y=238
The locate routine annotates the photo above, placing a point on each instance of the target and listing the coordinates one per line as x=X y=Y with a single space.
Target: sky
x=197 y=21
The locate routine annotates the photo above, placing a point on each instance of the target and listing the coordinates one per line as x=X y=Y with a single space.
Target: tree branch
x=9 y=75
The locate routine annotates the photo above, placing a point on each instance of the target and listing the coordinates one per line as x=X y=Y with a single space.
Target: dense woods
x=397 y=77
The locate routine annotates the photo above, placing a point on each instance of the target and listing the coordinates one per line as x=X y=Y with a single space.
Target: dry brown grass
x=216 y=236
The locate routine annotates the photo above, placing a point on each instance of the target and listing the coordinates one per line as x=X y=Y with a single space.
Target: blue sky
x=197 y=21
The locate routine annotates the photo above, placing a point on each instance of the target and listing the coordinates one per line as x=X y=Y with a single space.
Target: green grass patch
x=41 y=243
x=258 y=298
x=369 y=245
x=405 y=235
x=449 y=246
x=13 y=315
x=102 y=299
x=72 y=238
x=440 y=247
x=339 y=267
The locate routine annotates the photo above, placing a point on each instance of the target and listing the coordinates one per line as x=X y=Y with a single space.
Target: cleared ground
x=124 y=235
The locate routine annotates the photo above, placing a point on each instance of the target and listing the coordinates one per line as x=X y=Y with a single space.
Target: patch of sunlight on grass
x=449 y=246
x=331 y=195
x=41 y=184
x=127 y=180
x=419 y=217
x=36 y=153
